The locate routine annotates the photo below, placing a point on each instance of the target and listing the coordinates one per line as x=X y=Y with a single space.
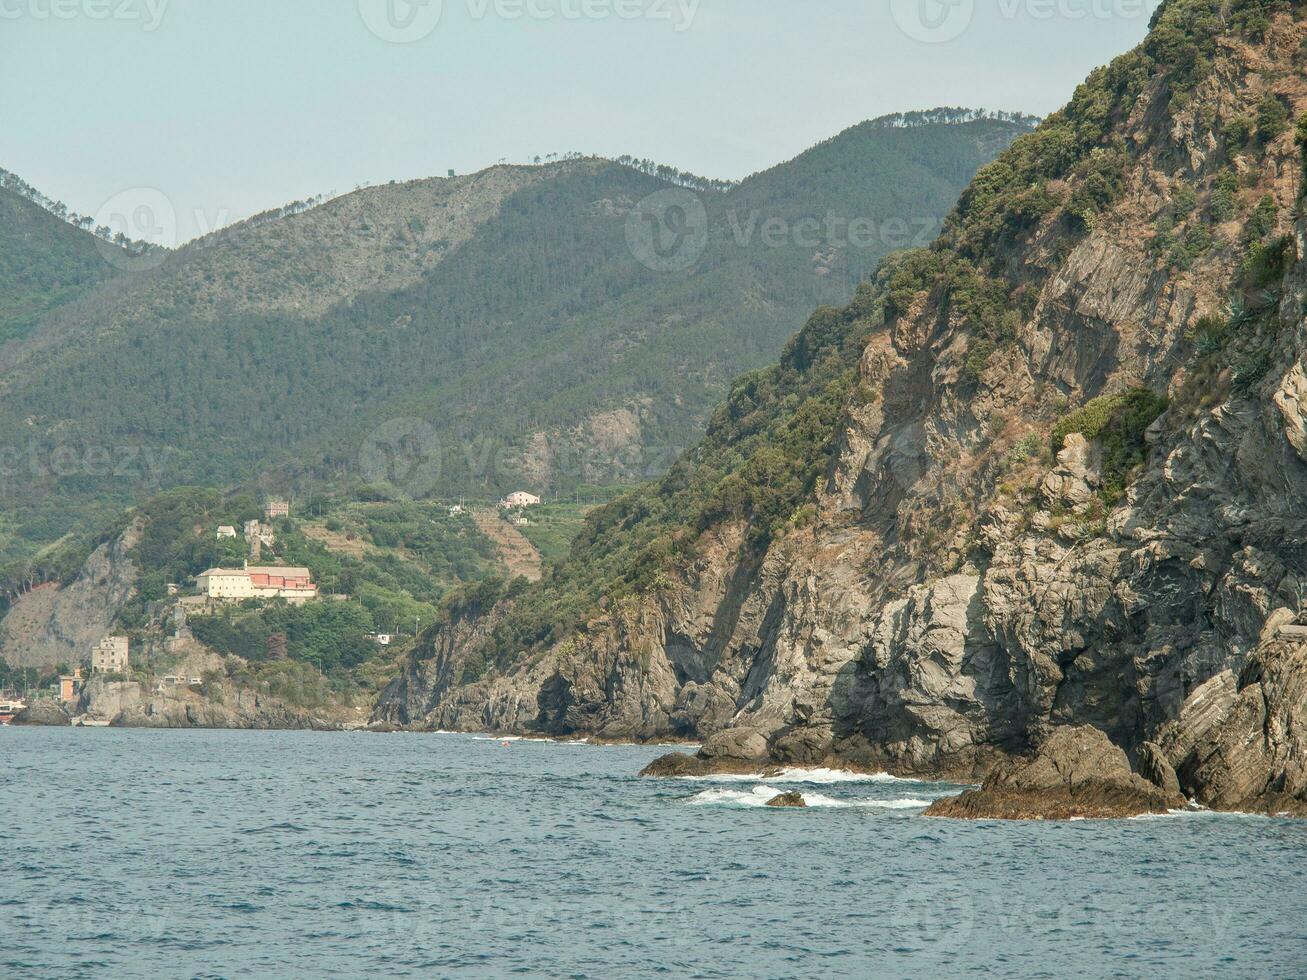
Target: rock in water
x=1078 y=772
x=790 y=799
x=736 y=750
x=43 y=712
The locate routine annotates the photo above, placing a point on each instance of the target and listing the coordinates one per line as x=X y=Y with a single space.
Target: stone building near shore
x=110 y=656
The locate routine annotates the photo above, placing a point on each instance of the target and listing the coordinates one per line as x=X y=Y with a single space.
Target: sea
x=287 y=854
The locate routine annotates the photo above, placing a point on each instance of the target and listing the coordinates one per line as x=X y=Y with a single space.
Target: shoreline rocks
x=791 y=800
x=1077 y=772
x=736 y=751
x=43 y=713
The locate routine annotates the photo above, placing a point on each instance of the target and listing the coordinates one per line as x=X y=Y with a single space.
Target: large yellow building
x=226 y=583
x=294 y=584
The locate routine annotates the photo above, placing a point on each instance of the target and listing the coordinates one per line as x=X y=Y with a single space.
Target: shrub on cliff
x=1117 y=423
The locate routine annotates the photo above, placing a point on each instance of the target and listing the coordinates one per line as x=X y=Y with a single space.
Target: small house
x=226 y=531
x=519 y=498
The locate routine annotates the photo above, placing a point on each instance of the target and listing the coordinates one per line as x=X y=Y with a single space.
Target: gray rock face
x=959 y=598
x=123 y=704
x=1076 y=773
x=53 y=625
x=1247 y=749
x=43 y=712
x=1157 y=769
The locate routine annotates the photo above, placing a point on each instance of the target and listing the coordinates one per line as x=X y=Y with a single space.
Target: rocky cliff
x=55 y=624
x=1066 y=485
x=217 y=702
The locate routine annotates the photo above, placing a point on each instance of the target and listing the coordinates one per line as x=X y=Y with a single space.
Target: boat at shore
x=9 y=710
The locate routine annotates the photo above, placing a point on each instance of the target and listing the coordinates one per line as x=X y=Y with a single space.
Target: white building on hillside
x=288 y=582
x=225 y=583
x=519 y=498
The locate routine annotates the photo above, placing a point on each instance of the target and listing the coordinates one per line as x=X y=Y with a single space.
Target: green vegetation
x=20 y=678
x=329 y=636
x=552 y=528
x=1237 y=133
x=763 y=454
x=1074 y=143
x=1117 y=423
x=543 y=320
x=45 y=262
x=1224 y=189
x=1300 y=137
x=1026 y=449
x=1251 y=369
x=394 y=564
x=978 y=355
x=1272 y=119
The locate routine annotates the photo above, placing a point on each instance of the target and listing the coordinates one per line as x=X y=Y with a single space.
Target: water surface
x=193 y=853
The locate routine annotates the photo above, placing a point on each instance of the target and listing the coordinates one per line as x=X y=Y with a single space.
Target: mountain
x=1043 y=477
x=520 y=326
x=45 y=262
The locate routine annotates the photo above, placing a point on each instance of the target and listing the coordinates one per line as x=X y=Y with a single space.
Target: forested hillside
x=1045 y=475
x=510 y=323
x=44 y=261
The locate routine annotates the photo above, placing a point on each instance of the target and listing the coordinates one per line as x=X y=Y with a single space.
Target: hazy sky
x=229 y=107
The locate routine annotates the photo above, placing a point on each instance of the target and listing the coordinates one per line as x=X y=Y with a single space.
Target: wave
x=1199 y=811
x=819 y=777
x=761 y=795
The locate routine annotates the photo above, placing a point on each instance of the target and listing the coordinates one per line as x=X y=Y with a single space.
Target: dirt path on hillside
x=517 y=554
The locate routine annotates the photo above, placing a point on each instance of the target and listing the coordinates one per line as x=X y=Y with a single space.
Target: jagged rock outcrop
x=737 y=750
x=1077 y=772
x=55 y=624
x=1244 y=746
x=43 y=712
x=1068 y=488
x=218 y=704
x=790 y=800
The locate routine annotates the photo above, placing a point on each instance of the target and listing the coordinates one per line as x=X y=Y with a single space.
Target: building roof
x=284 y=571
x=222 y=571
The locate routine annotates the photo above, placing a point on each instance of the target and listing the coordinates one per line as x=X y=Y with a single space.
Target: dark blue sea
x=274 y=854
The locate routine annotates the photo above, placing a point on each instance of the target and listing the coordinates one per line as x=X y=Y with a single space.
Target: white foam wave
x=761 y=795
x=818 y=777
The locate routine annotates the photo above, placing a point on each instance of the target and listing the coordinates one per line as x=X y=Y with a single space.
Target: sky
x=225 y=108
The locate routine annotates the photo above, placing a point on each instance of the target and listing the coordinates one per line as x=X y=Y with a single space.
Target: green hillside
x=501 y=326
x=44 y=261
x=772 y=440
